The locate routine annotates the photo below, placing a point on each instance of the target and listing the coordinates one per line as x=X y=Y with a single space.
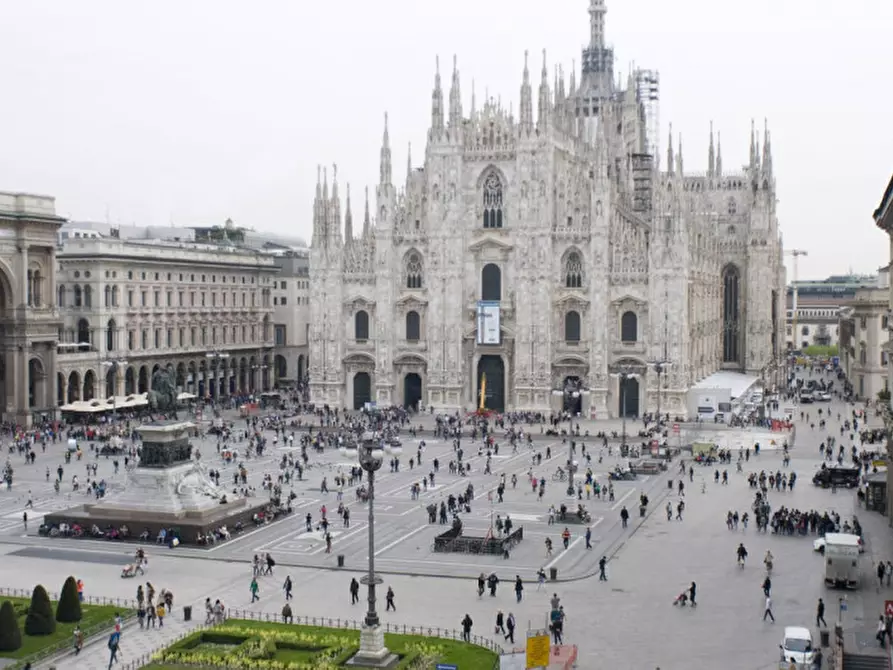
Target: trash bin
x=642 y=509
x=825 y=637
x=670 y=484
x=553 y=574
x=340 y=560
x=187 y=613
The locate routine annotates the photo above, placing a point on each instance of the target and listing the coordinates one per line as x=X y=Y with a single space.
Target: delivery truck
x=842 y=560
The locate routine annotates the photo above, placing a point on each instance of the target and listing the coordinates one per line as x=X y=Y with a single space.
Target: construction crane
x=795 y=253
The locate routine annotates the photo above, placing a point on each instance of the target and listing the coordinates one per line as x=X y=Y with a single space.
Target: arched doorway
x=243 y=375
x=181 y=376
x=110 y=382
x=573 y=395
x=36 y=385
x=89 y=385
x=60 y=387
x=362 y=389
x=74 y=386
x=190 y=377
x=491 y=368
x=265 y=374
x=129 y=382
x=629 y=397
x=412 y=390
x=202 y=385
x=143 y=380
x=233 y=372
x=280 y=369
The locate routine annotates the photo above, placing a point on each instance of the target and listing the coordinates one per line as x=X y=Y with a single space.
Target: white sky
x=196 y=111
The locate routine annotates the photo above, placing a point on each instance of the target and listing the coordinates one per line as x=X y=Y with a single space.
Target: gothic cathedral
x=547 y=261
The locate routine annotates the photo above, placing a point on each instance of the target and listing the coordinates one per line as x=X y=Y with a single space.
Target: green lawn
x=408 y=647
x=93 y=615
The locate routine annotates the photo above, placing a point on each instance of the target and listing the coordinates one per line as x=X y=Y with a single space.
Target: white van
x=797 y=646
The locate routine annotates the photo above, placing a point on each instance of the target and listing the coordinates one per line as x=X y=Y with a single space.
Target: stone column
x=23 y=413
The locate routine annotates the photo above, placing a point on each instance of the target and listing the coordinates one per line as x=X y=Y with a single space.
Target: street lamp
x=215 y=357
x=373 y=653
x=115 y=364
x=660 y=367
x=624 y=373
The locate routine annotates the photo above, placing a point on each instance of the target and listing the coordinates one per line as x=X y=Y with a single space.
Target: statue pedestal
x=373 y=653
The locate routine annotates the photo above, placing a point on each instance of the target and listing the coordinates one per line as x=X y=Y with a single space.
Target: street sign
x=675 y=428
x=446 y=666
x=538 y=649
x=888 y=607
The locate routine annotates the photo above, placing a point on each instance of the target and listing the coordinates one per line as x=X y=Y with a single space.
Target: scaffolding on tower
x=648 y=93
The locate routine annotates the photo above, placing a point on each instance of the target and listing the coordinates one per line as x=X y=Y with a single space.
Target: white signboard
x=488 y=322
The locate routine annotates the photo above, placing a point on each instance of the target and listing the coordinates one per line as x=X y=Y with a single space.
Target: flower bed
x=250 y=645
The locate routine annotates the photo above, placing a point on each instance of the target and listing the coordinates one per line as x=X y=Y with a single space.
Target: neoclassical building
x=29 y=319
x=546 y=259
x=130 y=307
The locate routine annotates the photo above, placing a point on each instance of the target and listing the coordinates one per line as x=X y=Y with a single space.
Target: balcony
x=571 y=347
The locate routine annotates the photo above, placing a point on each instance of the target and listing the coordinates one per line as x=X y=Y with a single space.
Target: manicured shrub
x=40 y=619
x=10 y=635
x=68 y=609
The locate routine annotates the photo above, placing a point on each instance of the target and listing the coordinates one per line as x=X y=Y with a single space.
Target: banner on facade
x=488 y=322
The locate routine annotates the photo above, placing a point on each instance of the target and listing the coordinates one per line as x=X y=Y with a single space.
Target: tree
x=10 y=635
x=68 y=609
x=40 y=620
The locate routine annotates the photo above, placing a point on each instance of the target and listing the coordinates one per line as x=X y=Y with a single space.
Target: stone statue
x=163 y=396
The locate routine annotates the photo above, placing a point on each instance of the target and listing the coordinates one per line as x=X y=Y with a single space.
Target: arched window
x=110 y=335
x=88 y=296
x=492 y=196
x=114 y=296
x=730 y=309
x=732 y=206
x=83 y=331
x=108 y=296
x=78 y=296
x=573 y=270
x=629 y=327
x=491 y=282
x=361 y=325
x=60 y=298
x=413 y=326
x=572 y=326
x=414 y=271
x=805 y=331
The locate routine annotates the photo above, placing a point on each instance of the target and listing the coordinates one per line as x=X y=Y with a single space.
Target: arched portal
x=181 y=376
x=573 y=395
x=412 y=390
x=36 y=385
x=731 y=312
x=74 y=386
x=491 y=282
x=243 y=375
x=280 y=369
x=491 y=379
x=142 y=385
x=110 y=382
x=129 y=382
x=629 y=397
x=362 y=389
x=89 y=385
x=60 y=388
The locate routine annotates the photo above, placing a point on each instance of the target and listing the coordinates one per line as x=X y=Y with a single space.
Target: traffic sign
x=675 y=428
x=888 y=607
x=446 y=666
x=538 y=649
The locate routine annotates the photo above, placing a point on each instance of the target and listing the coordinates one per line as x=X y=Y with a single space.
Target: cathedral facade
x=546 y=261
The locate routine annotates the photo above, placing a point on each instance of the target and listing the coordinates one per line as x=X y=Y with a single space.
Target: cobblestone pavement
x=626 y=622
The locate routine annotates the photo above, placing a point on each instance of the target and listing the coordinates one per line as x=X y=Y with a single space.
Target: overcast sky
x=194 y=111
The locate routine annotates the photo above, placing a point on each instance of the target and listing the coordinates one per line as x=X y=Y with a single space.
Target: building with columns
x=130 y=307
x=29 y=319
x=864 y=334
x=291 y=316
x=546 y=259
x=883 y=219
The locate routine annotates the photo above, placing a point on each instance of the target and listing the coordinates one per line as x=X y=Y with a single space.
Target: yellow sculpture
x=482 y=404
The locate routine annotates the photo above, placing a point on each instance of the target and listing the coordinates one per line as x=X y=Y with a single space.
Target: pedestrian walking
x=692 y=591
x=354 y=591
x=589 y=537
x=287 y=587
x=540 y=579
x=78 y=639
x=624 y=516
x=767 y=612
x=160 y=611
x=466 y=624
x=602 y=564
x=500 y=623
x=254 y=588
x=519 y=588
x=820 y=614
x=389 y=598
x=566 y=537
x=510 y=628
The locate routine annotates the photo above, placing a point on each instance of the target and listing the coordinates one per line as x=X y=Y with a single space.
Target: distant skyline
x=192 y=113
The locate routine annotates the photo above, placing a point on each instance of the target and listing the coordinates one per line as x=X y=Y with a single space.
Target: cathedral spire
x=348 y=220
x=671 y=161
x=473 y=101
x=711 y=155
x=437 y=102
x=597 y=11
x=455 y=98
x=753 y=147
x=384 y=167
x=679 y=158
x=319 y=234
x=718 y=155
x=767 y=151
x=526 y=101
x=335 y=208
x=408 y=165
x=542 y=119
x=367 y=222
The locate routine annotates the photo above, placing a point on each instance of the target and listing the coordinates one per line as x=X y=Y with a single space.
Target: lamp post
x=660 y=367
x=372 y=653
x=624 y=373
x=115 y=365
